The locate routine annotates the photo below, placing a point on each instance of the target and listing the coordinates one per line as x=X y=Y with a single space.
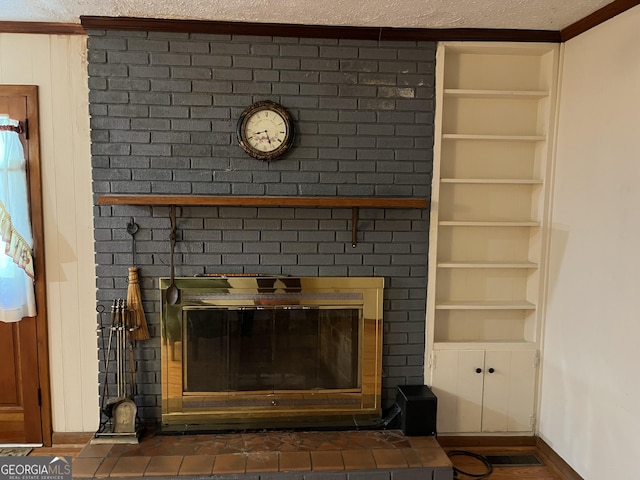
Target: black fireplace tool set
x=118 y=414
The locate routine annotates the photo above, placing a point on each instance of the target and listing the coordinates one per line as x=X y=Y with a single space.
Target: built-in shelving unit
x=488 y=225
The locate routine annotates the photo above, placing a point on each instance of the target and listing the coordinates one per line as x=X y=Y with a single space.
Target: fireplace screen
x=248 y=349
x=271 y=351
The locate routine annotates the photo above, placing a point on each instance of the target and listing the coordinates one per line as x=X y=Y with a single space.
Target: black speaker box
x=418 y=410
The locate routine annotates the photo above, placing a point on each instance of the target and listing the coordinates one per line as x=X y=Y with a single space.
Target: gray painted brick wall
x=163 y=110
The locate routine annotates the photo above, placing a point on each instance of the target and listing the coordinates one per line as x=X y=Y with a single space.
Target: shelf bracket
x=355 y=211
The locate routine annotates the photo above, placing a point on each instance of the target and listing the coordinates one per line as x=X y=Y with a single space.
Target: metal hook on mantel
x=354 y=226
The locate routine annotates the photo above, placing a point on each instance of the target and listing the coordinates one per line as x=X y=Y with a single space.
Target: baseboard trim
x=486 y=441
x=557 y=461
x=71 y=438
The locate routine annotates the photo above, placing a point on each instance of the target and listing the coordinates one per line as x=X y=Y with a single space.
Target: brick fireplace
x=163 y=110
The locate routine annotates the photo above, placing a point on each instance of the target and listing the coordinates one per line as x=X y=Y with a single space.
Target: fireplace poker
x=117 y=326
x=121 y=349
x=131 y=328
x=107 y=407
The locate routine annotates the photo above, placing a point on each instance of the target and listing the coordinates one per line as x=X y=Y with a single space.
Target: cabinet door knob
x=491 y=370
x=478 y=370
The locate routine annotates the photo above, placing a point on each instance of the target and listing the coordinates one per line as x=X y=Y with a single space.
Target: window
x=17 y=296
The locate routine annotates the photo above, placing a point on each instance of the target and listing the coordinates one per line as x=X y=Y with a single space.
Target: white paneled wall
x=57 y=65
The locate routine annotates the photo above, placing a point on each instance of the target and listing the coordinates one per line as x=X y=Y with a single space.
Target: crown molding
x=596 y=18
x=48 y=28
x=317 y=31
x=321 y=31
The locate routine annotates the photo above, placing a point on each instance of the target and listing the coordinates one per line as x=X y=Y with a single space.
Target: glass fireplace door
x=270 y=349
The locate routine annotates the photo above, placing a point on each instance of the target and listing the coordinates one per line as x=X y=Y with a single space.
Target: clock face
x=265 y=130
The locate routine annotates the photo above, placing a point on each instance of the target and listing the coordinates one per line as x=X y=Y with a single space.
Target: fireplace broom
x=134 y=300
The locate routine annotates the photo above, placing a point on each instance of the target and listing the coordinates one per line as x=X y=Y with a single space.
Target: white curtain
x=17 y=295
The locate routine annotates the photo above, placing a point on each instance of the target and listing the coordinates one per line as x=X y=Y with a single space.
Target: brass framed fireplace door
x=259 y=352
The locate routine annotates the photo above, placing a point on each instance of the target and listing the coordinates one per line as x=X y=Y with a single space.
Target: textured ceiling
x=518 y=14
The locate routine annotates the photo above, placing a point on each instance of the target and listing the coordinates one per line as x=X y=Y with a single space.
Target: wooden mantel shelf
x=263 y=201
x=267 y=201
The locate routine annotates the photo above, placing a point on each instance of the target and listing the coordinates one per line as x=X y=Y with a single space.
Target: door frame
x=31 y=138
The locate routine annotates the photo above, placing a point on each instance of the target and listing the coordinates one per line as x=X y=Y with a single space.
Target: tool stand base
x=110 y=437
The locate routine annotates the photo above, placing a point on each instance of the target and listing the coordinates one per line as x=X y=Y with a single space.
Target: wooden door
x=20 y=418
x=24 y=377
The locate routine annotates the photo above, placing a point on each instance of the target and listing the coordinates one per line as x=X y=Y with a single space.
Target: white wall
x=590 y=411
x=57 y=64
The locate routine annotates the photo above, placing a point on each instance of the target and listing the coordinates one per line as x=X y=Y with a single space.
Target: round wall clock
x=265 y=130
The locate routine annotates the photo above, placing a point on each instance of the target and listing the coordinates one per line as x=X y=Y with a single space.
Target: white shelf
x=507 y=94
x=465 y=223
x=491 y=181
x=499 y=138
x=486 y=345
x=485 y=305
x=527 y=265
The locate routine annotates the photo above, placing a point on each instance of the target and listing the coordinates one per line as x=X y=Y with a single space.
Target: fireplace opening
x=272 y=351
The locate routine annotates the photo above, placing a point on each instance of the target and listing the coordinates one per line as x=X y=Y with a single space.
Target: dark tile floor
x=241 y=454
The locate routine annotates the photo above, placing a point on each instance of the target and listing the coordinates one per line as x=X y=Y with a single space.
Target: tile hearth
x=317 y=455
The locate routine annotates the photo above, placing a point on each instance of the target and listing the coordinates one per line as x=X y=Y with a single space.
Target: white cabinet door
x=509 y=391
x=495 y=399
x=484 y=391
x=458 y=388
